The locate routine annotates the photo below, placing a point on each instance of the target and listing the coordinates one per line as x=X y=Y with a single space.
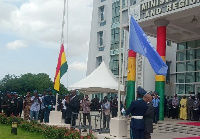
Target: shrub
x=46 y=130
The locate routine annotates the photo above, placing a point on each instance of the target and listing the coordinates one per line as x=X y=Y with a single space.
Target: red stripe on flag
x=59 y=60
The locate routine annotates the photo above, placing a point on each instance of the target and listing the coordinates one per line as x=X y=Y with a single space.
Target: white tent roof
x=101 y=80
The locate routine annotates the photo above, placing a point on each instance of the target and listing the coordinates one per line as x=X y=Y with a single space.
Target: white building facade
x=182 y=56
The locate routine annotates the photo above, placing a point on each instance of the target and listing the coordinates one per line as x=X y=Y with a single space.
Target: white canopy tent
x=101 y=80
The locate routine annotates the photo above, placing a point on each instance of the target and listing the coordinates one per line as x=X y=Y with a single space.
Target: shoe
x=84 y=130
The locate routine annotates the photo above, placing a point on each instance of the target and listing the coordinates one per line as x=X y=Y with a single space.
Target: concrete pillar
x=161 y=49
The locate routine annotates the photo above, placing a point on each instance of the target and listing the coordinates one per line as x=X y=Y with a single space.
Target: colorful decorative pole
x=131 y=77
x=161 y=49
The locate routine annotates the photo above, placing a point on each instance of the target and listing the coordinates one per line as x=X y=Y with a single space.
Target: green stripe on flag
x=63 y=69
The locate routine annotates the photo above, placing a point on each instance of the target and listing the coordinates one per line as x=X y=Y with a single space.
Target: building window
x=101 y=48
x=169 y=43
x=100 y=35
x=102 y=16
x=116 y=12
x=102 y=23
x=103 y=0
x=99 y=60
x=101 y=9
x=187 y=66
x=133 y=2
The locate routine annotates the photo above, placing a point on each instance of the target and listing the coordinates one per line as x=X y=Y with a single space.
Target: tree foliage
x=28 y=82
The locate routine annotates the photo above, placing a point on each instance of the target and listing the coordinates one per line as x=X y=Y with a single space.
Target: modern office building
x=181 y=19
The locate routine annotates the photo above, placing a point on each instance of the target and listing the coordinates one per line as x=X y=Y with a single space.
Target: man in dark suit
x=137 y=110
x=72 y=105
x=148 y=117
x=49 y=102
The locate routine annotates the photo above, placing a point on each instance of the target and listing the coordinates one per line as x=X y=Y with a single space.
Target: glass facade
x=115 y=38
x=187 y=66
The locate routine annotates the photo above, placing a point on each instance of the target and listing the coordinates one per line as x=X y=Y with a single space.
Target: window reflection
x=188 y=63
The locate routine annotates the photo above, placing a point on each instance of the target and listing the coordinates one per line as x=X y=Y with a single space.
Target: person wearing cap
x=106 y=112
x=196 y=105
x=27 y=106
x=49 y=102
x=85 y=104
x=156 y=102
x=137 y=109
x=148 y=117
x=175 y=105
x=35 y=106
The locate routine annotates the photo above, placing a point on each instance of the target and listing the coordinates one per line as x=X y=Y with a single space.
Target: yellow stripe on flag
x=63 y=58
x=57 y=82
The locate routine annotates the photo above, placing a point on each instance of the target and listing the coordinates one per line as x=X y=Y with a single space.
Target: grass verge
x=5 y=133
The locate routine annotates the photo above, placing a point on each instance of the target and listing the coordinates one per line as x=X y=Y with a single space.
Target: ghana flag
x=61 y=68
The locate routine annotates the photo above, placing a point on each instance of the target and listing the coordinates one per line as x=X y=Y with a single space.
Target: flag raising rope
x=62 y=65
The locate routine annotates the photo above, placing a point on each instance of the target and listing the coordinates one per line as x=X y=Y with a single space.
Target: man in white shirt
x=35 y=106
x=63 y=107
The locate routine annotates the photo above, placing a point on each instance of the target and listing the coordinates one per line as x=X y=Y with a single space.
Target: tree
x=28 y=82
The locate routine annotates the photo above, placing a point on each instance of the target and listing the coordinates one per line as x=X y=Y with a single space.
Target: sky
x=30 y=37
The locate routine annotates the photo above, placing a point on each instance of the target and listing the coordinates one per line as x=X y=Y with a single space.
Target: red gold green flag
x=61 y=68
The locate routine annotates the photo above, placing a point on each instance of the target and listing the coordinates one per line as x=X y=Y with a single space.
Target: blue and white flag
x=139 y=43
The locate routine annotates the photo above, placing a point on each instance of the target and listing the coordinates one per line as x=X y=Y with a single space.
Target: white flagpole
x=120 y=39
x=63 y=24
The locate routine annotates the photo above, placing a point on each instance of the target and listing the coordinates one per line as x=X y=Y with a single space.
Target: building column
x=161 y=49
x=131 y=77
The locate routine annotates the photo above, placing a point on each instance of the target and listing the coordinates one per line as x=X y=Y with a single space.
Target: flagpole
x=67 y=36
x=63 y=24
x=119 y=80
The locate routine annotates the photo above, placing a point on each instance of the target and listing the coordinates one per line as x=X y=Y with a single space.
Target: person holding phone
x=35 y=106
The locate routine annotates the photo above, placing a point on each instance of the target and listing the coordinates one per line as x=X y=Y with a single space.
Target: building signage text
x=155 y=7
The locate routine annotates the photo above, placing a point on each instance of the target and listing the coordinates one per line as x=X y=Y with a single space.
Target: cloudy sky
x=30 y=37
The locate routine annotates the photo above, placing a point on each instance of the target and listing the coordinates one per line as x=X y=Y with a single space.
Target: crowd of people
x=184 y=108
x=70 y=105
x=144 y=111
x=36 y=107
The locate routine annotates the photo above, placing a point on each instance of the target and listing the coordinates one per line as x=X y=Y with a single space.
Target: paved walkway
x=169 y=129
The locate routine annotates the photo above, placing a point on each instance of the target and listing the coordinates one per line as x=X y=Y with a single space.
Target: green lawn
x=5 y=133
